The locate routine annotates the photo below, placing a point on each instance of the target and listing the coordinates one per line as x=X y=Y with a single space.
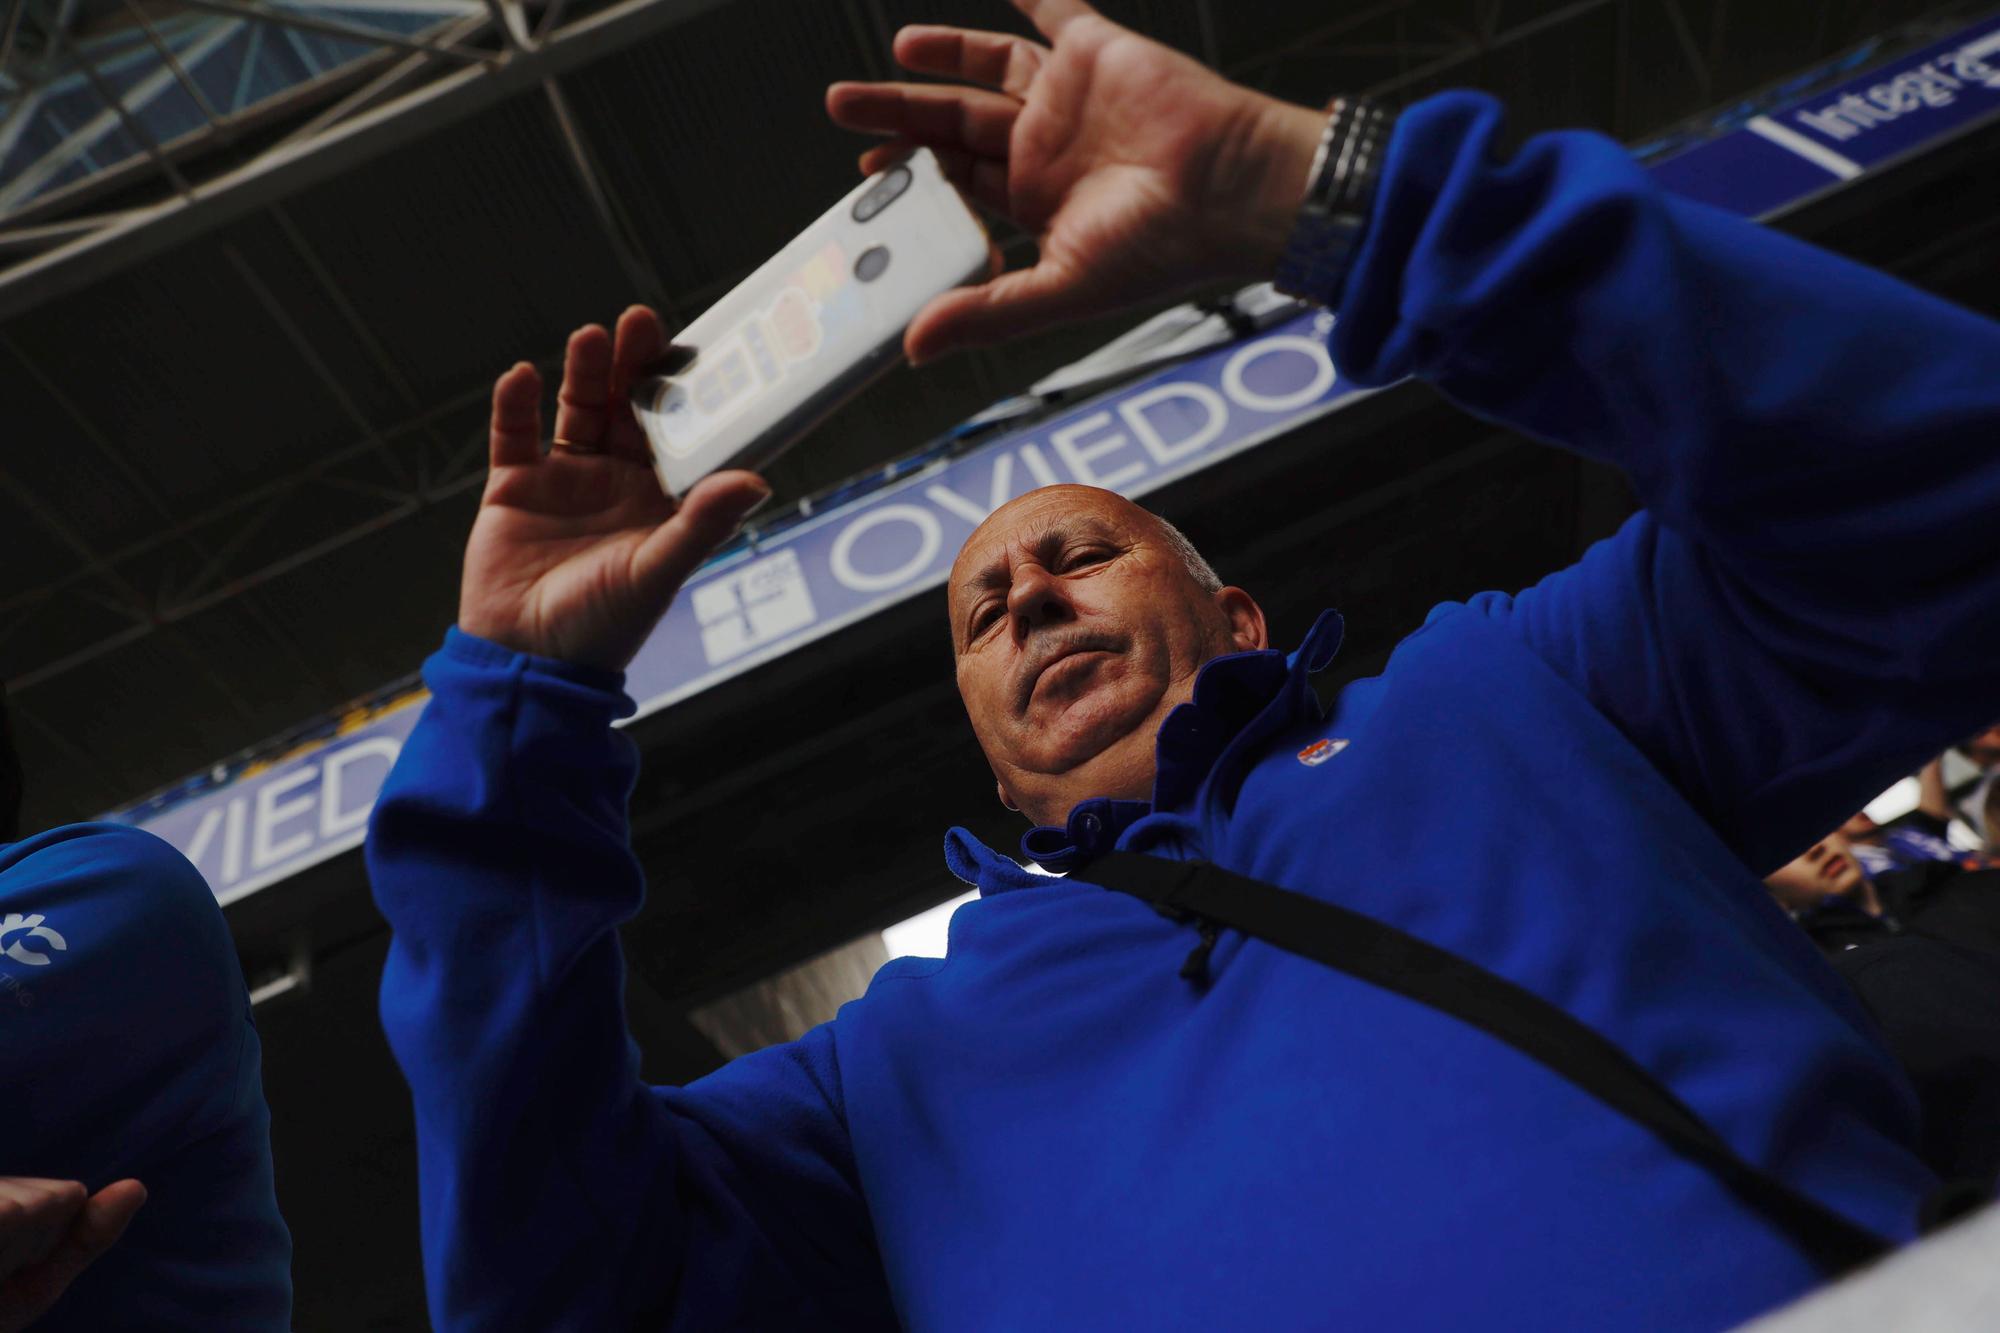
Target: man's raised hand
x=1140 y=172
x=50 y=1231
x=577 y=552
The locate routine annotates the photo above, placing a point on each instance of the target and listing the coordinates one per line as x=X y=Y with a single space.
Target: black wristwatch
x=1339 y=191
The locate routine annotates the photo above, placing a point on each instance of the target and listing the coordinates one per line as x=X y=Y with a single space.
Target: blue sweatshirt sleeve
x=1809 y=604
x=558 y=1191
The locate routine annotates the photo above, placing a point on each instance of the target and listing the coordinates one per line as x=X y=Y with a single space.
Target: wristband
x=1339 y=190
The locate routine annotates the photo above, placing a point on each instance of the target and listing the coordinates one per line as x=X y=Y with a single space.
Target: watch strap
x=1339 y=192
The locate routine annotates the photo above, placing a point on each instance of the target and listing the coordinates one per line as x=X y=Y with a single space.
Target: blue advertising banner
x=899 y=541
x=293 y=814
x=853 y=561
x=1797 y=150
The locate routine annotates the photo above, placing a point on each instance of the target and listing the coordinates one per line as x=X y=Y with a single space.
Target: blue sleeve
x=558 y=1191
x=1809 y=604
x=127 y=1049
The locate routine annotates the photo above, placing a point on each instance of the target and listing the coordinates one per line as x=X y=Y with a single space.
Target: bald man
x=1065 y=1124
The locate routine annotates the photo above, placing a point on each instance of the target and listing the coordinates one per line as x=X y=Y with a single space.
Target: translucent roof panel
x=57 y=130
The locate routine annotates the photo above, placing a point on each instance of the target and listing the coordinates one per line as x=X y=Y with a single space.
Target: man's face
x=1859 y=827
x=1824 y=871
x=1077 y=627
x=1983 y=748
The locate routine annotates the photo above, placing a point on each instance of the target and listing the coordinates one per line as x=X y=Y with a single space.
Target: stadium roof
x=263 y=260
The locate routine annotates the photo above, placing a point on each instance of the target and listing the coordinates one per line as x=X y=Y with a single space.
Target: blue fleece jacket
x=126 y=1049
x=1050 y=1128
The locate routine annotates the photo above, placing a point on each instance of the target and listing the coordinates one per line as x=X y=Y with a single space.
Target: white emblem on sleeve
x=29 y=928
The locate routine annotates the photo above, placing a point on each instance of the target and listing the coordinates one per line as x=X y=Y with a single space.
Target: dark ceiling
x=238 y=467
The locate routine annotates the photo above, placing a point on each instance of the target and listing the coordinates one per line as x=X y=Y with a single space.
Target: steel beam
x=1244 y=69
x=288 y=18
x=874 y=49
x=637 y=270
x=188 y=85
x=25 y=102
x=512 y=22
x=150 y=612
x=14 y=12
x=145 y=616
x=49 y=233
x=288 y=169
x=1684 y=36
x=309 y=354
x=75 y=145
x=385 y=365
x=383 y=84
x=116 y=104
x=114 y=178
x=1519 y=32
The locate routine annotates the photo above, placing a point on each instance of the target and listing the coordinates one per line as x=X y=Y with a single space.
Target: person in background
x=1831 y=894
x=1983 y=747
x=1825 y=889
x=1976 y=805
x=1914 y=838
x=130 y=1074
x=1920 y=945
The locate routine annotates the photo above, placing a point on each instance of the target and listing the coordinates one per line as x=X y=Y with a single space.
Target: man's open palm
x=1135 y=167
x=576 y=553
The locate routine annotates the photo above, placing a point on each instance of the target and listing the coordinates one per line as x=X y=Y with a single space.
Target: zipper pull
x=1195 y=969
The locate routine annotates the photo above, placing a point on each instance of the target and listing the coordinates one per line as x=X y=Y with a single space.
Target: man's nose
x=1035 y=599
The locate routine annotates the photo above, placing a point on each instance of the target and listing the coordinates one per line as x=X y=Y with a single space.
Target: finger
x=709 y=516
x=980 y=179
x=36 y=1191
x=586 y=386
x=959 y=117
x=105 y=1218
x=1050 y=17
x=516 y=432
x=996 y=59
x=638 y=344
x=97 y=1227
x=1009 y=306
x=34 y=1214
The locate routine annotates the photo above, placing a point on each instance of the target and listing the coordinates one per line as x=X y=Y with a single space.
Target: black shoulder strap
x=1386 y=957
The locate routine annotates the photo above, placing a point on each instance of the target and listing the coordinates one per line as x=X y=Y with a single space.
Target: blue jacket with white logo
x=1050 y=1128
x=126 y=1049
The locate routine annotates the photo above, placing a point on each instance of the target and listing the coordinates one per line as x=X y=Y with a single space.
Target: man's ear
x=1000 y=788
x=1247 y=632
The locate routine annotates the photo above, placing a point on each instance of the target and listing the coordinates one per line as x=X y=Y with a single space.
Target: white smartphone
x=812 y=326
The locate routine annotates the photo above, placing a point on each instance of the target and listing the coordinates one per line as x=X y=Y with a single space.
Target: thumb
x=708 y=516
x=32 y=1290
x=1012 y=304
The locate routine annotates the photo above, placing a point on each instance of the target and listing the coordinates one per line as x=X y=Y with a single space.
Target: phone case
x=812 y=326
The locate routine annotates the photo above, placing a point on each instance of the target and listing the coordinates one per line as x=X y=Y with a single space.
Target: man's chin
x=1090 y=729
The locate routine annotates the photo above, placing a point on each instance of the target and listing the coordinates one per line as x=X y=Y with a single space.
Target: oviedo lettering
x=1130 y=445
